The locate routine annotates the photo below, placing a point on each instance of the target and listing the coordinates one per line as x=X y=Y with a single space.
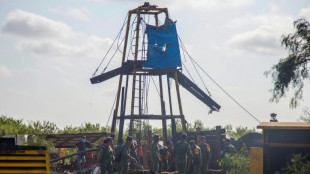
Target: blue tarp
x=163 y=46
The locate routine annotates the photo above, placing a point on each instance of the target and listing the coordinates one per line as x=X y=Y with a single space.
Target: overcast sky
x=50 y=49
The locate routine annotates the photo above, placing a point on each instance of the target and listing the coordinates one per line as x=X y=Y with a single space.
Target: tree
x=306 y=115
x=86 y=127
x=239 y=131
x=11 y=126
x=290 y=72
x=39 y=128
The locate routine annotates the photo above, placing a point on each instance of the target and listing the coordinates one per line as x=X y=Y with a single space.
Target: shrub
x=236 y=163
x=298 y=165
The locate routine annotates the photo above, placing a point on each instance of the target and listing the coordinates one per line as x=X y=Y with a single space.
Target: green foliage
x=85 y=128
x=306 y=115
x=239 y=132
x=293 y=69
x=300 y=165
x=236 y=163
x=39 y=128
x=40 y=141
x=10 y=126
x=198 y=124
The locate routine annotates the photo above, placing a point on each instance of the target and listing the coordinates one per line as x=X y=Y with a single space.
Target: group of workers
x=184 y=157
x=123 y=155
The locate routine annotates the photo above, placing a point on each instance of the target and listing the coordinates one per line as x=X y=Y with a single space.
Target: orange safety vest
x=139 y=151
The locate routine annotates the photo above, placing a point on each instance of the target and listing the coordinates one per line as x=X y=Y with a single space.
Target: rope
x=147 y=95
x=219 y=85
x=118 y=35
x=155 y=86
x=188 y=73
x=184 y=49
x=111 y=112
x=143 y=55
x=134 y=33
x=112 y=56
x=115 y=52
x=131 y=38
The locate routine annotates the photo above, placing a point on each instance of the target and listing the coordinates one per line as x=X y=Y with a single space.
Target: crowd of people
x=184 y=157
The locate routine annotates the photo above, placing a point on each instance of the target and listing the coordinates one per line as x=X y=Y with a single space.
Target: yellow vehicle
x=22 y=159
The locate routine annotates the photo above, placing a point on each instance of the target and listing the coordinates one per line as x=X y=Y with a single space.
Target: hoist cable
x=112 y=57
x=131 y=38
x=113 y=54
x=118 y=35
x=184 y=49
x=111 y=112
x=188 y=72
x=219 y=85
x=155 y=86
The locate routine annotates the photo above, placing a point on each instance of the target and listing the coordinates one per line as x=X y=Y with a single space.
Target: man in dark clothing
x=106 y=157
x=81 y=146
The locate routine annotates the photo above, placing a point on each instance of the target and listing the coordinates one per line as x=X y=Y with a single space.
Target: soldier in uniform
x=117 y=151
x=205 y=154
x=106 y=157
x=155 y=154
x=228 y=148
x=125 y=156
x=182 y=151
x=196 y=162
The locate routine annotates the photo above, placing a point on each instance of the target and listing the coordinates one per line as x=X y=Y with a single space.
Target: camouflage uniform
x=106 y=158
x=206 y=156
x=182 y=151
x=155 y=156
x=124 y=163
x=196 y=163
x=117 y=163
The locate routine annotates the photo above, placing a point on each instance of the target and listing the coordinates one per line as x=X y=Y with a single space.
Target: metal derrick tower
x=134 y=68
